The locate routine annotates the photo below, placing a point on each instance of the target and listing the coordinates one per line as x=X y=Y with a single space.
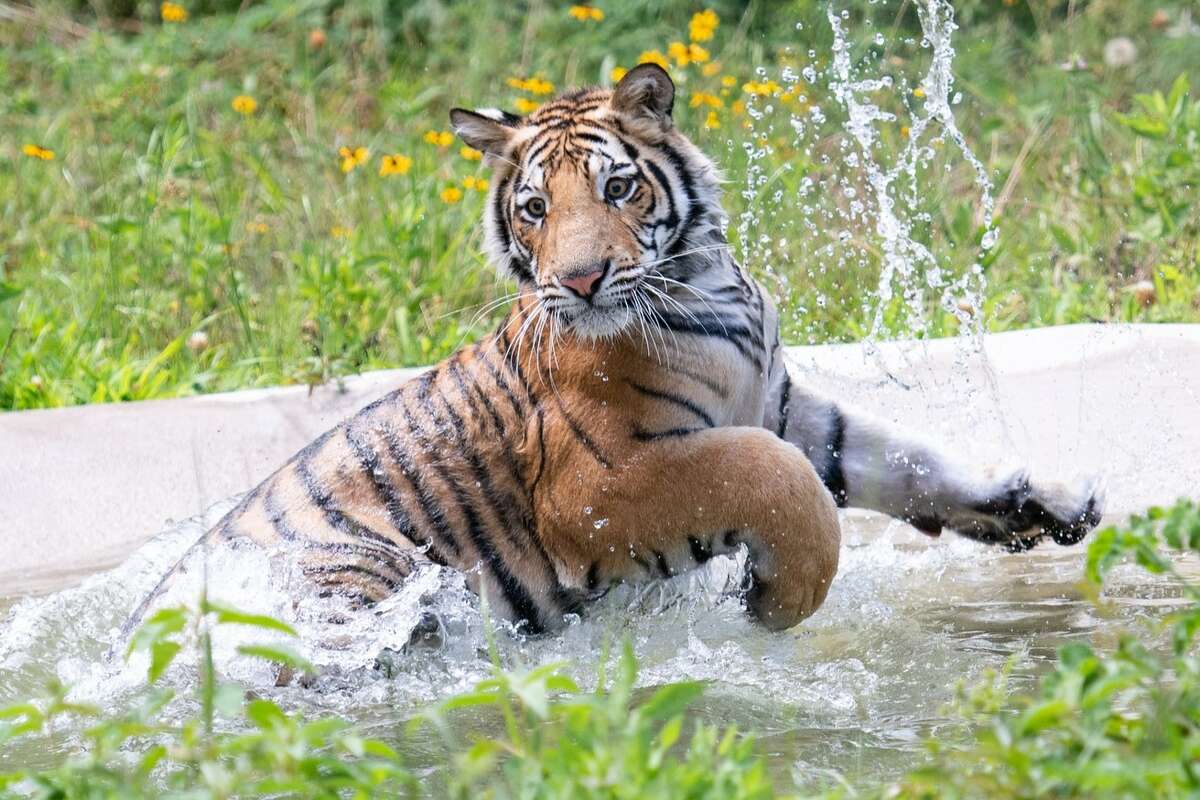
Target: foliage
x=598 y=745
x=229 y=745
x=163 y=236
x=1119 y=724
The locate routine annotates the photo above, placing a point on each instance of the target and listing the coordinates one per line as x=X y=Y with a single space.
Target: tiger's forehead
x=576 y=130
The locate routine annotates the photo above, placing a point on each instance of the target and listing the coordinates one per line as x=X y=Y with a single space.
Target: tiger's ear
x=488 y=130
x=646 y=90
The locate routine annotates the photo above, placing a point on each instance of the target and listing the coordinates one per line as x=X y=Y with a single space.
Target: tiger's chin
x=599 y=323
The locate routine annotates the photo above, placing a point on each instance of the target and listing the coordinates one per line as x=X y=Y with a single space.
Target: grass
x=1100 y=723
x=173 y=245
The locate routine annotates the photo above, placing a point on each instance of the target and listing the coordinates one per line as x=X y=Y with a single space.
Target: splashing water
x=903 y=257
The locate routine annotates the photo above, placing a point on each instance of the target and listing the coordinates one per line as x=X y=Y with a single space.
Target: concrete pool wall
x=82 y=487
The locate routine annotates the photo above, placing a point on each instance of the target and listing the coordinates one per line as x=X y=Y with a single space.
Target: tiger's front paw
x=1020 y=513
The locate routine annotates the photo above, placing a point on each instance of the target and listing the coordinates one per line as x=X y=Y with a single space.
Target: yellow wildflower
x=679 y=52
x=702 y=25
x=761 y=88
x=257 y=227
x=654 y=57
x=712 y=120
x=469 y=182
x=353 y=156
x=728 y=81
x=35 y=151
x=698 y=55
x=173 y=12
x=525 y=106
x=470 y=154
x=918 y=92
x=395 y=164
x=451 y=194
x=534 y=85
x=791 y=94
x=481 y=184
x=439 y=138
x=705 y=99
x=617 y=73
x=709 y=69
x=738 y=107
x=585 y=13
x=340 y=232
x=905 y=132
x=245 y=104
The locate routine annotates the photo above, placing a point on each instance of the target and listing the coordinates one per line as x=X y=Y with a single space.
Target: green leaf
x=278 y=655
x=163 y=623
x=1143 y=125
x=265 y=714
x=228 y=699
x=8 y=291
x=1178 y=94
x=671 y=700
x=232 y=616
x=162 y=653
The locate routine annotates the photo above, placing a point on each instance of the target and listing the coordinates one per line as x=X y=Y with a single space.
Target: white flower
x=1120 y=52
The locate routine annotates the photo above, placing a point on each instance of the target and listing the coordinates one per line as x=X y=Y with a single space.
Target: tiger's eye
x=536 y=207
x=616 y=188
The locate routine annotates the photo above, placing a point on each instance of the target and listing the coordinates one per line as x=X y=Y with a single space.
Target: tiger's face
x=597 y=200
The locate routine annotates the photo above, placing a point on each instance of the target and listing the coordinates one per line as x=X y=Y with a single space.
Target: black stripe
x=430 y=505
x=832 y=475
x=643 y=435
x=701 y=552
x=368 y=459
x=537 y=479
x=582 y=435
x=663 y=566
x=336 y=518
x=485 y=358
x=277 y=516
x=358 y=569
x=713 y=326
x=784 y=397
x=515 y=593
x=703 y=380
x=672 y=220
x=689 y=189
x=675 y=399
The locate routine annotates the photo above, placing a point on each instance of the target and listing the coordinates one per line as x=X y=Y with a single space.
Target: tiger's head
x=597 y=202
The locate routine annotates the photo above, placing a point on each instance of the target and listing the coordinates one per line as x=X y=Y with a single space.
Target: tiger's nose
x=584 y=285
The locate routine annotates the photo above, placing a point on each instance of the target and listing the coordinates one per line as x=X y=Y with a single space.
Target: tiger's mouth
x=596 y=321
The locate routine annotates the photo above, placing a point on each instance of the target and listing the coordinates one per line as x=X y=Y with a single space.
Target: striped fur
x=629 y=419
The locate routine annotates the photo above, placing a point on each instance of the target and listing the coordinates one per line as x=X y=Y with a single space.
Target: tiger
x=630 y=418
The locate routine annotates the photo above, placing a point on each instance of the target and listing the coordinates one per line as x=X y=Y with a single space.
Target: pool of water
x=854 y=690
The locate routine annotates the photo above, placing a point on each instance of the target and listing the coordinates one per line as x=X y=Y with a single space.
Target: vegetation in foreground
x=1101 y=724
x=200 y=196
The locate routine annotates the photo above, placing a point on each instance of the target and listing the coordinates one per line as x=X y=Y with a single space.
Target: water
x=851 y=692
x=854 y=689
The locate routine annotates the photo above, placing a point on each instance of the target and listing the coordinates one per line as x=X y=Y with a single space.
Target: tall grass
x=172 y=245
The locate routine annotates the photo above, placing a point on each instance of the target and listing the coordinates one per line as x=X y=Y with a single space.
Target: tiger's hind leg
x=677 y=501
